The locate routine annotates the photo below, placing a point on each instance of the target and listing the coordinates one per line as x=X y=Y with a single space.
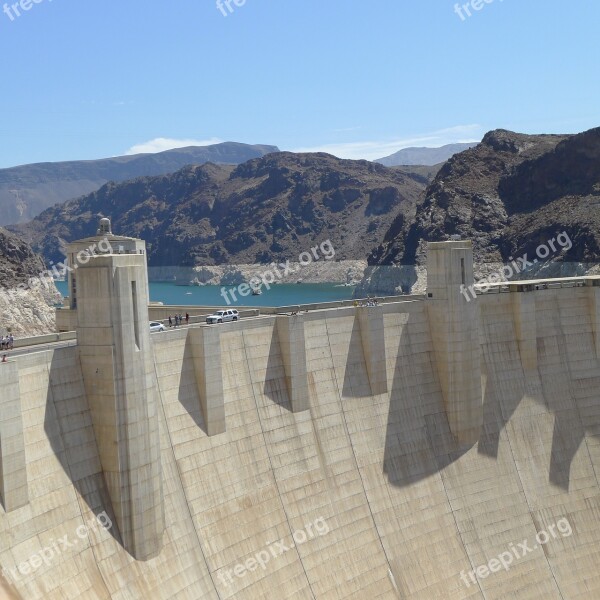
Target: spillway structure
x=442 y=446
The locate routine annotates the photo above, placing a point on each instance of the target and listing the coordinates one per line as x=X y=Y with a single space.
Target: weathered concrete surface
x=454 y=326
x=406 y=509
x=117 y=364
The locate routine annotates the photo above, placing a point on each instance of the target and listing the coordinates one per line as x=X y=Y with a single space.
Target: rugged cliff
x=510 y=194
x=24 y=310
x=267 y=209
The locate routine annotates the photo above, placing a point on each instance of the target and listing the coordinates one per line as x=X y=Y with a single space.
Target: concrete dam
x=432 y=447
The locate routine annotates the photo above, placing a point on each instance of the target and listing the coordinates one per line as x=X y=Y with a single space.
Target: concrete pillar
x=594 y=304
x=13 y=472
x=370 y=319
x=120 y=382
x=523 y=305
x=454 y=323
x=206 y=353
x=290 y=331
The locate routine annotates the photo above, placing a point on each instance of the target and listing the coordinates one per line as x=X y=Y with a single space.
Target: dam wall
x=364 y=491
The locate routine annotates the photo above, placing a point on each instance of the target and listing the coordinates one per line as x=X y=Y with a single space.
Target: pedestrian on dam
x=11 y=342
x=187 y=318
x=170 y=321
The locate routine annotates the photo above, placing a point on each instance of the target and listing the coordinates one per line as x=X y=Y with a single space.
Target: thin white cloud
x=162 y=144
x=346 y=129
x=371 y=150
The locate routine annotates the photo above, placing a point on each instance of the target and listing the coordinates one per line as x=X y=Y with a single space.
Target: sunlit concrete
x=409 y=500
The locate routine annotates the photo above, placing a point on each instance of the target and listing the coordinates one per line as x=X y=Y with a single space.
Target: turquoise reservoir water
x=278 y=295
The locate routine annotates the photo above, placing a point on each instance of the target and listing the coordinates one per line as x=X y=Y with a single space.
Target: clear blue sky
x=360 y=78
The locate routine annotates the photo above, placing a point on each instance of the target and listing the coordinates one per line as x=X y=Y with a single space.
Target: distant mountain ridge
x=424 y=156
x=269 y=208
x=25 y=191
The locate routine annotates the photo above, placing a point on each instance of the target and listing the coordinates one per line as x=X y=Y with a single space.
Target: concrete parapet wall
x=50 y=338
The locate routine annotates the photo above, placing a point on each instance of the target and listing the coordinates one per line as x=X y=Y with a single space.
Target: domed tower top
x=104 y=227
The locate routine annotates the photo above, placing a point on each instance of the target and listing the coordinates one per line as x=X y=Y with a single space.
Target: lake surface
x=278 y=295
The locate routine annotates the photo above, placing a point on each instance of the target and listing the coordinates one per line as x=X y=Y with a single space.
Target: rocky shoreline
x=407 y=279
x=349 y=272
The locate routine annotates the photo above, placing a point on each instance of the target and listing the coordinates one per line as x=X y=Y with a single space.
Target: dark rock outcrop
x=270 y=208
x=25 y=191
x=509 y=194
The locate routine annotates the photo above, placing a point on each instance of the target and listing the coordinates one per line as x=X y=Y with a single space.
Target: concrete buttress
x=120 y=382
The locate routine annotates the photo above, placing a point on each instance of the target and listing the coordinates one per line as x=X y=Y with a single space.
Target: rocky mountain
x=424 y=156
x=24 y=310
x=269 y=208
x=18 y=262
x=510 y=194
x=27 y=190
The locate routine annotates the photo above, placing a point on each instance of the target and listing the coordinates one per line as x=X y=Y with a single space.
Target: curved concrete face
x=361 y=496
x=436 y=448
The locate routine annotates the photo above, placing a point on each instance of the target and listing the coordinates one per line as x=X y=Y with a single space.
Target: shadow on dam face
x=418 y=441
x=275 y=387
x=356 y=378
x=558 y=396
x=191 y=402
x=559 y=384
x=68 y=425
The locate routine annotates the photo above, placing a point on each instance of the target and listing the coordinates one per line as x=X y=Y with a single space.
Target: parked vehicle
x=156 y=326
x=222 y=316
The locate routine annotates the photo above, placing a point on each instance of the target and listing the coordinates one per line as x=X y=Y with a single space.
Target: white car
x=222 y=316
x=156 y=326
